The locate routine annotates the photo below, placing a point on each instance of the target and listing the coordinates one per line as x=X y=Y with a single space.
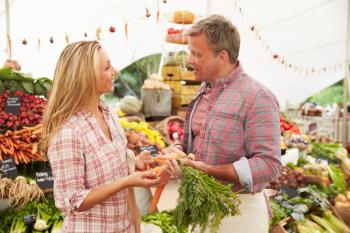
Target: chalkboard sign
x=12 y=105
x=44 y=179
x=153 y=149
x=290 y=192
x=9 y=167
x=29 y=219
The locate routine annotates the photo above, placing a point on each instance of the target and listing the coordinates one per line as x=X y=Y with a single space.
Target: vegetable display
x=22 y=145
x=15 y=81
x=145 y=134
x=31 y=110
x=164 y=220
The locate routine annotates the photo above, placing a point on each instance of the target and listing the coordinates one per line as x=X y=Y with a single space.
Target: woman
x=87 y=148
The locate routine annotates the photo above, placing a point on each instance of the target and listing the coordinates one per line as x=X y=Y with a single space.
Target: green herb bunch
x=203 y=201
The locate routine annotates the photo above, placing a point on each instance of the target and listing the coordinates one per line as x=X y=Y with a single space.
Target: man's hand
x=169 y=149
x=175 y=170
x=144 y=160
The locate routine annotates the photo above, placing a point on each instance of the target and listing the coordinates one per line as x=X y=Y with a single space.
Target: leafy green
x=337 y=177
x=203 y=202
x=330 y=95
x=164 y=220
x=279 y=212
x=18 y=225
x=28 y=86
x=311 y=196
x=327 y=151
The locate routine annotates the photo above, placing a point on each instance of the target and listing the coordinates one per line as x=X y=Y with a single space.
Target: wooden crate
x=177 y=73
x=172 y=73
x=181 y=100
x=175 y=86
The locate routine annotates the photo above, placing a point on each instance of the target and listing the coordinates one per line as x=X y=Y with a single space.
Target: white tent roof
x=307 y=34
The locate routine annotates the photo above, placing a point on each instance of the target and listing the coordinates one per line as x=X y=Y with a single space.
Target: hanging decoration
x=9 y=47
x=98 y=32
x=125 y=26
x=281 y=59
x=51 y=40
x=147 y=13
x=85 y=34
x=158 y=11
x=67 y=38
x=24 y=41
x=38 y=44
x=111 y=29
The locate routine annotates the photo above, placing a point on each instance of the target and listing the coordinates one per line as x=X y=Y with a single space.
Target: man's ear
x=223 y=57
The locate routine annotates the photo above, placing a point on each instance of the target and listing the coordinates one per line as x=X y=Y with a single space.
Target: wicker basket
x=162 y=127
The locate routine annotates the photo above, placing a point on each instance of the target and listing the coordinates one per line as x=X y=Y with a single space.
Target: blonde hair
x=221 y=34
x=75 y=81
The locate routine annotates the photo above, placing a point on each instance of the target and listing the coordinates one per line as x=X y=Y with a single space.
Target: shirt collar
x=223 y=82
x=101 y=105
x=229 y=78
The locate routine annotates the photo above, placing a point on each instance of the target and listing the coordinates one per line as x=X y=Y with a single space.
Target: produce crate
x=172 y=73
x=182 y=88
x=179 y=101
x=177 y=73
x=175 y=86
x=183 y=92
x=156 y=102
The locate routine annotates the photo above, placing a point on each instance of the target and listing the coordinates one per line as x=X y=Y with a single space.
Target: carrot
x=35 y=148
x=158 y=14
x=169 y=156
x=126 y=30
x=160 y=171
x=37 y=131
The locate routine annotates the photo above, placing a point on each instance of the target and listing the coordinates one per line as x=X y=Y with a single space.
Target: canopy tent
x=295 y=48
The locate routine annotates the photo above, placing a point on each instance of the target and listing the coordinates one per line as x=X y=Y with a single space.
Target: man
x=232 y=126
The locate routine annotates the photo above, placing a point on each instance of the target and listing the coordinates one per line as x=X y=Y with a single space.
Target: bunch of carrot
x=22 y=145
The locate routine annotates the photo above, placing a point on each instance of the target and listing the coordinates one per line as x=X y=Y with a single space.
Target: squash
x=130 y=105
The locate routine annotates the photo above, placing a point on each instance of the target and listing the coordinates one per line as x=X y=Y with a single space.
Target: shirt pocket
x=225 y=136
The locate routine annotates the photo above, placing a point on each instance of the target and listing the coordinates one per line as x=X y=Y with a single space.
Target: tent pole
x=8 y=32
x=209 y=8
x=346 y=83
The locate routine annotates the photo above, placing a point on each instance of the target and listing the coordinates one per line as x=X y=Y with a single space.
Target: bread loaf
x=183 y=17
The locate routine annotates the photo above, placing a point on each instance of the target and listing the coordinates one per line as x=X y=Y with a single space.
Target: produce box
x=177 y=73
x=172 y=73
x=181 y=100
x=156 y=102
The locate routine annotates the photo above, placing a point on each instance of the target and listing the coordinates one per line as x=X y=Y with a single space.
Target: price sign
x=12 y=105
x=153 y=149
x=9 y=167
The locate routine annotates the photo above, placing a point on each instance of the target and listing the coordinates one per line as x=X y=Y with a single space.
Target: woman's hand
x=144 y=160
x=143 y=179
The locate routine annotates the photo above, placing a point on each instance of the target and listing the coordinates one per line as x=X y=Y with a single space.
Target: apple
x=112 y=29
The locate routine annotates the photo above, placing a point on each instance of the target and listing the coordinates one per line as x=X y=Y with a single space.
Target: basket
x=162 y=127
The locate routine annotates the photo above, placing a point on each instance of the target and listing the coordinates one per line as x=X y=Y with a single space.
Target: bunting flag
x=280 y=59
x=67 y=38
x=9 y=47
x=98 y=32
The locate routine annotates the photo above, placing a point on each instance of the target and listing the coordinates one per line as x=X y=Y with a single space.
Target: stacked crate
x=183 y=85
